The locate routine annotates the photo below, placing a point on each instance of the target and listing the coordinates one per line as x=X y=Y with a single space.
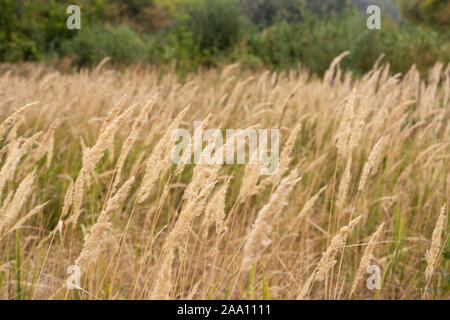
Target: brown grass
x=373 y=153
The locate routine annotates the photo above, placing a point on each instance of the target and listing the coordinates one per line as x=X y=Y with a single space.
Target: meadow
x=86 y=182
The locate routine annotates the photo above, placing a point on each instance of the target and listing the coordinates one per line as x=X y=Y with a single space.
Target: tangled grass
x=86 y=180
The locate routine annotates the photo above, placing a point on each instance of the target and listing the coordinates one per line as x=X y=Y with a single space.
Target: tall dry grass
x=86 y=179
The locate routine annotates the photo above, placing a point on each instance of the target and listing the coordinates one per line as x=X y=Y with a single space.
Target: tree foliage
x=435 y=12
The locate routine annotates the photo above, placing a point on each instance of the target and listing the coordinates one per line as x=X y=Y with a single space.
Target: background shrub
x=89 y=47
x=257 y=33
x=214 y=25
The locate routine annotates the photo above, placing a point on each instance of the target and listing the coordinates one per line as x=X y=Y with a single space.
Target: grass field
x=86 y=180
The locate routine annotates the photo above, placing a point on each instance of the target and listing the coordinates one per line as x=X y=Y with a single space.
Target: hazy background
x=275 y=34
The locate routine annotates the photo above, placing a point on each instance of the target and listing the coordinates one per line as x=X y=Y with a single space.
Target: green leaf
x=265 y=286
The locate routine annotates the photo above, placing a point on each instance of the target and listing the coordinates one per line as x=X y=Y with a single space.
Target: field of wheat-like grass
x=87 y=183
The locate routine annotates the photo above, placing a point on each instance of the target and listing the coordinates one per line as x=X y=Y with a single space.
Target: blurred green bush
x=120 y=43
x=315 y=42
x=403 y=46
x=256 y=33
x=214 y=25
